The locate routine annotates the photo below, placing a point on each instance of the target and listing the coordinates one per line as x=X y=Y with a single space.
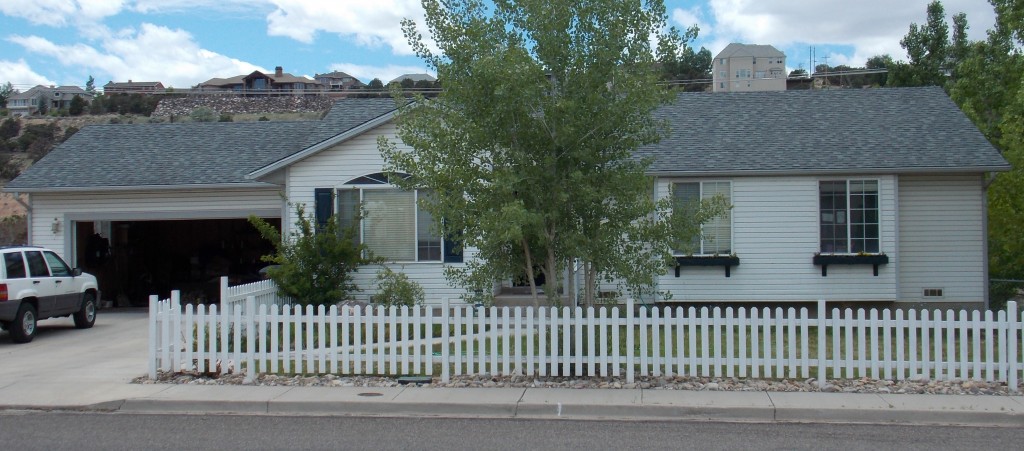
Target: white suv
x=35 y=284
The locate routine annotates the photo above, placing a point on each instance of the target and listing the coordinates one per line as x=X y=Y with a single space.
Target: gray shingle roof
x=863 y=130
x=217 y=153
x=756 y=50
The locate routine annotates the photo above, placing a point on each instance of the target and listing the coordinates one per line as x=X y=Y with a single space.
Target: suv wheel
x=86 y=316
x=23 y=328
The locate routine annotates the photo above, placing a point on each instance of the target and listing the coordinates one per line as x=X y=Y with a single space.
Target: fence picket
x=755 y=361
x=873 y=324
x=791 y=331
x=716 y=335
x=655 y=342
x=886 y=345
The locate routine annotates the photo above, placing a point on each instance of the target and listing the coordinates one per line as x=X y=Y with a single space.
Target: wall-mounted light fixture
x=55 y=227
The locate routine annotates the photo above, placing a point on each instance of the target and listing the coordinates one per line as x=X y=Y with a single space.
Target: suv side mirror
x=76 y=272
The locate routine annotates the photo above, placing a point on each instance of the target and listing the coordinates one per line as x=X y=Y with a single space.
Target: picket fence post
x=251 y=337
x=630 y=324
x=154 y=306
x=445 y=337
x=1013 y=324
x=822 y=313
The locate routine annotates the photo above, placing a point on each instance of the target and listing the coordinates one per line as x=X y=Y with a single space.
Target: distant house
x=133 y=87
x=414 y=77
x=749 y=67
x=40 y=99
x=257 y=82
x=879 y=198
x=338 y=81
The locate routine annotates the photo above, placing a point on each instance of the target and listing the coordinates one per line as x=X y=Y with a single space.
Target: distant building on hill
x=414 y=77
x=259 y=83
x=143 y=87
x=749 y=67
x=40 y=99
x=338 y=81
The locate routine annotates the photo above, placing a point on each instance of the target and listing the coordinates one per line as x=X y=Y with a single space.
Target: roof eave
x=183 y=187
x=885 y=171
x=327 y=143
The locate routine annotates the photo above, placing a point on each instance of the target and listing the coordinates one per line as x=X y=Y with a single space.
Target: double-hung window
x=393 y=226
x=716 y=234
x=849 y=216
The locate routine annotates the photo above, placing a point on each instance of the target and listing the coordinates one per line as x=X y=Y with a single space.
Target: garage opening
x=135 y=259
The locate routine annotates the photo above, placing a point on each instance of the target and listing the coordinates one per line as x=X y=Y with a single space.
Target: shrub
x=9 y=128
x=203 y=114
x=224 y=117
x=314 y=265
x=395 y=288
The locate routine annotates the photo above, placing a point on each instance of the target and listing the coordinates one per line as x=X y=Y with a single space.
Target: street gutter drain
x=371 y=394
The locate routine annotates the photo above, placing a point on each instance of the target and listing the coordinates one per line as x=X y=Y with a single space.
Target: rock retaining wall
x=234 y=104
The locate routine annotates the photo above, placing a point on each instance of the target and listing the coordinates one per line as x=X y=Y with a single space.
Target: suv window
x=57 y=266
x=15 y=265
x=36 y=264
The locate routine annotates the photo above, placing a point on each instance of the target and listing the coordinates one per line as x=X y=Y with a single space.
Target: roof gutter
x=193 y=187
x=747 y=173
x=337 y=139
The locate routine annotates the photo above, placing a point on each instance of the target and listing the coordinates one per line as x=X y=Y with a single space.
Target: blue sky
x=184 y=42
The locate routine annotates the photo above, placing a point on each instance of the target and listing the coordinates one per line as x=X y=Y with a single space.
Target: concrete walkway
x=65 y=368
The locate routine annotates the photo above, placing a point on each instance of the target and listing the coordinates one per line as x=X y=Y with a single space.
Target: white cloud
x=685 y=18
x=61 y=12
x=21 y=76
x=384 y=73
x=151 y=53
x=871 y=27
x=373 y=26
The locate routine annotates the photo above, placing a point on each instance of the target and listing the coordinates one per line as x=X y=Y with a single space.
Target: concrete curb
x=571 y=404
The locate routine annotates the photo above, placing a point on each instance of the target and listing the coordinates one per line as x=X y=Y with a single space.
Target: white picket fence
x=456 y=340
x=265 y=292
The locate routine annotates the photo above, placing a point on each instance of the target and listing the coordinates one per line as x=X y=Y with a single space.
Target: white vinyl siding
x=775 y=236
x=942 y=238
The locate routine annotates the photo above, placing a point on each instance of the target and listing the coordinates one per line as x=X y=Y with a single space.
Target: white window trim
x=732 y=218
x=416 y=216
x=849 y=225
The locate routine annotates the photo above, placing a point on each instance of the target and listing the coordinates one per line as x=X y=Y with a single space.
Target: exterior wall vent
x=933 y=292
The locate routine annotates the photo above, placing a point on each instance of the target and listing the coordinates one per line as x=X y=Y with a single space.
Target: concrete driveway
x=64 y=366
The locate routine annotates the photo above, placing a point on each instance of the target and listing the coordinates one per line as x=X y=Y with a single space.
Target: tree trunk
x=571 y=283
x=529 y=274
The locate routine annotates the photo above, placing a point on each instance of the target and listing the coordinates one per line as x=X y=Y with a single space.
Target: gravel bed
x=863 y=385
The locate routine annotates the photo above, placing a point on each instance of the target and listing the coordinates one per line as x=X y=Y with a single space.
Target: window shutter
x=324 y=209
x=453 y=249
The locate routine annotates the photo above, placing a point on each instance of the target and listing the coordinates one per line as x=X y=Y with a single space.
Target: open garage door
x=135 y=259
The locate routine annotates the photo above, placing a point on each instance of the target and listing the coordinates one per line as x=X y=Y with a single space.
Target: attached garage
x=134 y=259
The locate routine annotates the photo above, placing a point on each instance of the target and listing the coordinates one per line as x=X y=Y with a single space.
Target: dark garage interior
x=142 y=258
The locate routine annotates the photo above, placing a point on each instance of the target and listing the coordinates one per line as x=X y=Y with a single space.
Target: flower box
x=727 y=261
x=874 y=260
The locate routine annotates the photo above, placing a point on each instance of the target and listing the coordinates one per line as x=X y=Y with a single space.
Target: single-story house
x=873 y=195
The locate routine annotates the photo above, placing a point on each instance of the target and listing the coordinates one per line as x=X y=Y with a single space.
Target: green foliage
x=375 y=85
x=37 y=132
x=123 y=103
x=77 y=106
x=931 y=56
x=10 y=128
x=529 y=146
x=13 y=230
x=395 y=288
x=90 y=85
x=9 y=166
x=6 y=90
x=225 y=117
x=313 y=265
x=679 y=61
x=69 y=132
x=203 y=114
